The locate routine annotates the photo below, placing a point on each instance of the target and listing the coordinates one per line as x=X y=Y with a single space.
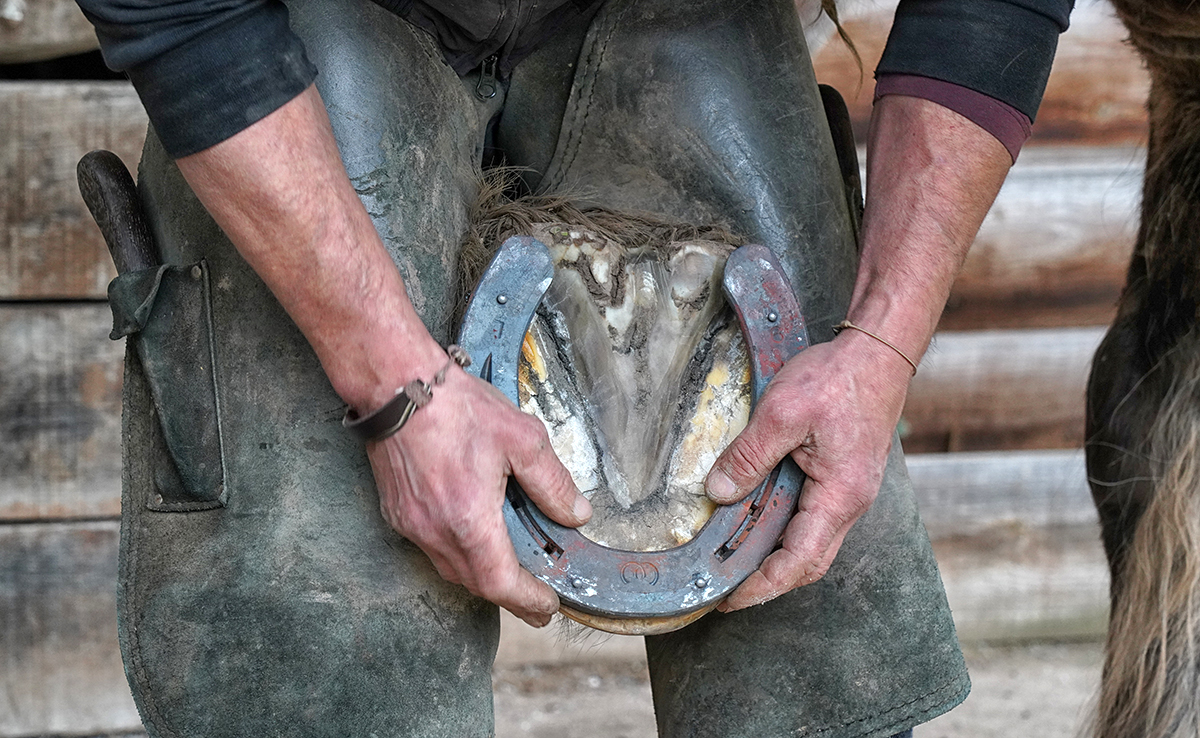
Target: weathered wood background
x=1002 y=389
x=36 y=30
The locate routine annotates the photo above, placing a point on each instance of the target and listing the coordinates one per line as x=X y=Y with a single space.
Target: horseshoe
x=639 y=592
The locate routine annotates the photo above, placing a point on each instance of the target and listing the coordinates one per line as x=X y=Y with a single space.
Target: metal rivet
x=701 y=583
x=577 y=583
x=197 y=272
x=502 y=299
x=772 y=317
x=158 y=499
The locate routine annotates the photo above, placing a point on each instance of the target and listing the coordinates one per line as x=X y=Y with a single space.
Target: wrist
x=902 y=315
x=847 y=325
x=390 y=417
x=371 y=365
x=888 y=372
x=366 y=332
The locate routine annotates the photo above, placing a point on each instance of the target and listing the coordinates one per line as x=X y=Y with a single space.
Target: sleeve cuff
x=1010 y=126
x=1001 y=49
x=219 y=83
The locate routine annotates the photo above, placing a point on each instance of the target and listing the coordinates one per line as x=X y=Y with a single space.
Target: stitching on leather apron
x=585 y=79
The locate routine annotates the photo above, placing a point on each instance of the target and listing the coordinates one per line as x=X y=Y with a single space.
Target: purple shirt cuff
x=1009 y=125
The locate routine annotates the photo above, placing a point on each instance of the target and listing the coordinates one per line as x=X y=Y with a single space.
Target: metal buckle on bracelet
x=394 y=413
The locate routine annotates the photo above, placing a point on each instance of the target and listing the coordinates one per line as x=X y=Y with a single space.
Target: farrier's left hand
x=834 y=408
x=932 y=174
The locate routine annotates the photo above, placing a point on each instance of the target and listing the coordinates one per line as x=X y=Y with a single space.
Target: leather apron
x=262 y=593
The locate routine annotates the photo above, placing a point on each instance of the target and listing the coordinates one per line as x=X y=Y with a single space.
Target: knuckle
x=775 y=583
x=488 y=590
x=448 y=573
x=859 y=505
x=528 y=436
x=536 y=427
x=815 y=572
x=535 y=435
x=462 y=531
x=403 y=524
x=389 y=515
x=855 y=503
x=806 y=573
x=743 y=460
x=789 y=569
x=782 y=409
x=775 y=414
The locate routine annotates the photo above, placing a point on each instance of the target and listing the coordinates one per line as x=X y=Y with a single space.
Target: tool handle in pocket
x=111 y=196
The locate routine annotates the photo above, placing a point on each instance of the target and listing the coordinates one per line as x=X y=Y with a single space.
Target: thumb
x=545 y=479
x=746 y=462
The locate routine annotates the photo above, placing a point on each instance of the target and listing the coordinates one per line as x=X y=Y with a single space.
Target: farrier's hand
x=441 y=483
x=834 y=408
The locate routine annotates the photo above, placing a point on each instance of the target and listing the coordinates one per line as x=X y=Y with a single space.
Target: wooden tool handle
x=112 y=198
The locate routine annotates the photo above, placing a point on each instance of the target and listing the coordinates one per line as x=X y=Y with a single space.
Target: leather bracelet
x=394 y=413
x=845 y=324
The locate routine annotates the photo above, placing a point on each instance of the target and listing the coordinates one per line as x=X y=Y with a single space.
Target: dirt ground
x=1040 y=690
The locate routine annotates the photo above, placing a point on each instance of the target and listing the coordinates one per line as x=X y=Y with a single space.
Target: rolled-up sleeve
x=1001 y=48
x=204 y=69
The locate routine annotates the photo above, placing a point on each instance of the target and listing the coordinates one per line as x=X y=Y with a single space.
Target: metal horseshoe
x=636 y=591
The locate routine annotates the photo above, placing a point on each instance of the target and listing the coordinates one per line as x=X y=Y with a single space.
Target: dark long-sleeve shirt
x=207 y=69
x=1000 y=48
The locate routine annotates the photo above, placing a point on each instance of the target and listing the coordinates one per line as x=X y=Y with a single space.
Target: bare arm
x=279 y=191
x=931 y=177
x=281 y=194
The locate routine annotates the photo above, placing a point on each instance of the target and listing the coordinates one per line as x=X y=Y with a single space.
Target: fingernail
x=582 y=509
x=720 y=487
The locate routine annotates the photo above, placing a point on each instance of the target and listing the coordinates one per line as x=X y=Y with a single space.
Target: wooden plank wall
x=60 y=432
x=1016 y=540
x=60 y=398
x=35 y=30
x=49 y=246
x=1008 y=511
x=60 y=672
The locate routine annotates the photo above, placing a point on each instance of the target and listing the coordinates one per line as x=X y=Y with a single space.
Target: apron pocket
x=167 y=313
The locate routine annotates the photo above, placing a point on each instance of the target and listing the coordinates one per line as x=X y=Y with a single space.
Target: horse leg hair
x=1143 y=447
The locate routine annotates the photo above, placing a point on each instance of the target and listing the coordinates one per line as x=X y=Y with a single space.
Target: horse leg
x=1143 y=419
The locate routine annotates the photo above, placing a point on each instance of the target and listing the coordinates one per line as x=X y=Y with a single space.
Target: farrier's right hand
x=441 y=482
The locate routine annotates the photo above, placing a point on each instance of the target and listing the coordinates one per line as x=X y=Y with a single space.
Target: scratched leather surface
x=294 y=610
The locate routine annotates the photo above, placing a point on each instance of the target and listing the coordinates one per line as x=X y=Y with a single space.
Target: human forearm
x=931 y=177
x=279 y=191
